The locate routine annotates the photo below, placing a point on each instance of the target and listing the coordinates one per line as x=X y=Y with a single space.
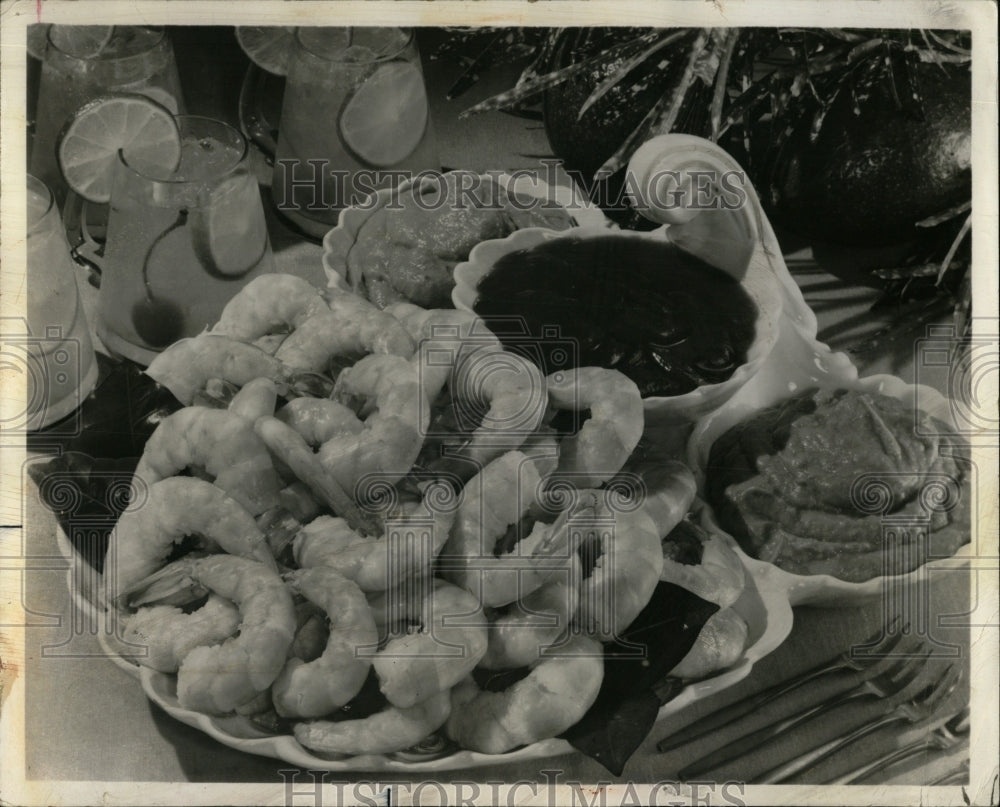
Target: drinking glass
x=354 y=119
x=134 y=59
x=62 y=368
x=180 y=244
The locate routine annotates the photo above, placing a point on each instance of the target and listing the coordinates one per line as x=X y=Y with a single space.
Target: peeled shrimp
x=443 y=337
x=172 y=509
x=628 y=560
x=319 y=419
x=269 y=304
x=411 y=536
x=670 y=491
x=351 y=327
x=557 y=692
x=218 y=678
x=168 y=634
x=386 y=389
x=497 y=498
x=392 y=729
x=515 y=392
x=186 y=366
x=219 y=443
x=602 y=445
x=256 y=399
x=316 y=688
x=450 y=642
x=519 y=637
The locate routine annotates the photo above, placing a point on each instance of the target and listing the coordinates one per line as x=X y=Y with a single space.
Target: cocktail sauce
x=666 y=319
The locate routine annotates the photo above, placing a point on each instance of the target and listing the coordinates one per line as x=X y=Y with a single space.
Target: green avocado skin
x=874 y=171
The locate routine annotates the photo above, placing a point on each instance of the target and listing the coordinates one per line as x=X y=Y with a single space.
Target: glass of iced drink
x=81 y=63
x=354 y=119
x=62 y=368
x=180 y=242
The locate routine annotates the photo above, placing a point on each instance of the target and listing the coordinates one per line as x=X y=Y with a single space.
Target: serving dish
x=763 y=605
x=794 y=359
x=338 y=242
x=758 y=280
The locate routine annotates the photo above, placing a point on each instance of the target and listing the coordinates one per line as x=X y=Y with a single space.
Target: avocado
x=874 y=170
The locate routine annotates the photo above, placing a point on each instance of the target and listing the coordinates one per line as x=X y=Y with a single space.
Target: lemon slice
x=81 y=41
x=383 y=121
x=142 y=129
x=229 y=233
x=268 y=47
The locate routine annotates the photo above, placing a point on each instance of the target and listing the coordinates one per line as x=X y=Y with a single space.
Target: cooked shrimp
x=449 y=643
x=386 y=390
x=602 y=445
x=392 y=729
x=670 y=489
x=624 y=546
x=256 y=399
x=315 y=688
x=510 y=387
x=719 y=645
x=443 y=337
x=416 y=533
x=172 y=509
x=319 y=419
x=218 y=443
x=718 y=577
x=499 y=498
x=351 y=327
x=557 y=692
x=537 y=620
x=218 y=678
x=269 y=304
x=168 y=634
x=294 y=453
x=186 y=366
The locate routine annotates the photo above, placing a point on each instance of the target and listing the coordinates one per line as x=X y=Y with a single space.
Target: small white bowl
x=341 y=239
x=757 y=280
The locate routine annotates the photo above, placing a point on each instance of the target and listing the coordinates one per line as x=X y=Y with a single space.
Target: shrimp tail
x=171 y=585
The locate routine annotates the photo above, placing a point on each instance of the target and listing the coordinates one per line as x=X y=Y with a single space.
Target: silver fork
x=942 y=738
x=889 y=682
x=879 y=651
x=920 y=707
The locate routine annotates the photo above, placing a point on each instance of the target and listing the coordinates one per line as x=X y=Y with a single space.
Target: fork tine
x=908 y=674
x=941 y=689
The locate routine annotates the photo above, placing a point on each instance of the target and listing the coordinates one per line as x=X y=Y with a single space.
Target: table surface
x=88 y=720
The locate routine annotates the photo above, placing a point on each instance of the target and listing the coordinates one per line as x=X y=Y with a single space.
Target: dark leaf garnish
x=86 y=482
x=636 y=676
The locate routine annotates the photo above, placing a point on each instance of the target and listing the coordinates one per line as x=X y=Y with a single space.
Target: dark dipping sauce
x=666 y=319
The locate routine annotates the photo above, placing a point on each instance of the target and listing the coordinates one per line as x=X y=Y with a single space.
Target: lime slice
x=383 y=122
x=142 y=129
x=229 y=233
x=268 y=47
x=81 y=41
x=38 y=39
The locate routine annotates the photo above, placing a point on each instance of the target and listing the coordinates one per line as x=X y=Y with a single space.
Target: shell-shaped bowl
x=338 y=242
x=797 y=363
x=758 y=280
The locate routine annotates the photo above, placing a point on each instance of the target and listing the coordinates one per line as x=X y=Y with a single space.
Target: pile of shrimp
x=315 y=543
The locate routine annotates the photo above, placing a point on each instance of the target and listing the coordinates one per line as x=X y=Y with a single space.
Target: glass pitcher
x=354 y=118
x=181 y=245
x=133 y=59
x=62 y=367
